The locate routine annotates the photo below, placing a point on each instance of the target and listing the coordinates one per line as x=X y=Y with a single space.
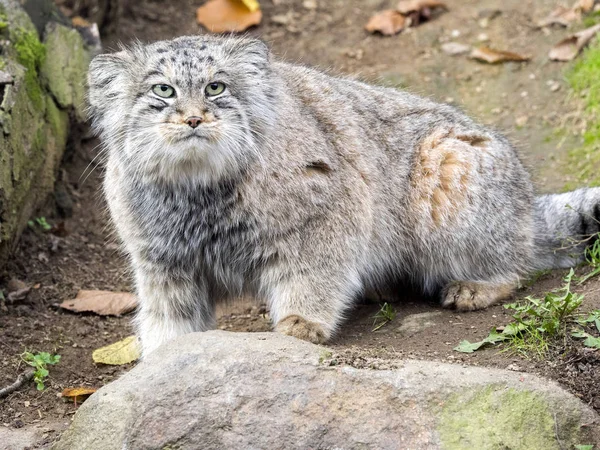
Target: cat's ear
x=254 y=51
x=107 y=77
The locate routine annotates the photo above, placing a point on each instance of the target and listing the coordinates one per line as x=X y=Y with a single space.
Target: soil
x=521 y=99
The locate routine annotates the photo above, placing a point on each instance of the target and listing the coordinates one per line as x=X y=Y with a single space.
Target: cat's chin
x=195 y=161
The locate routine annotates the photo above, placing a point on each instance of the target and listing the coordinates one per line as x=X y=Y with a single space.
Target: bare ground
x=517 y=98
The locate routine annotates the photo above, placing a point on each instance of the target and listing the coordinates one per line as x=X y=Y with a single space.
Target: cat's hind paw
x=470 y=296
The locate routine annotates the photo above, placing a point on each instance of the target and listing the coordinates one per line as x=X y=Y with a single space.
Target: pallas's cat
x=232 y=173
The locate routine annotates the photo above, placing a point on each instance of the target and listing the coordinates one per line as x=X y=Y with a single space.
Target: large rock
x=220 y=390
x=42 y=80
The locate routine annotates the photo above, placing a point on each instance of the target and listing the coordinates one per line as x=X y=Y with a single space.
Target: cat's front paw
x=301 y=328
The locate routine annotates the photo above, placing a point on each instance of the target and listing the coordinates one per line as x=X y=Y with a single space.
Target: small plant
x=592 y=257
x=40 y=362
x=591 y=318
x=386 y=314
x=536 y=322
x=41 y=222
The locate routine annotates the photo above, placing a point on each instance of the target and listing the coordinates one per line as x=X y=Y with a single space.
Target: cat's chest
x=185 y=226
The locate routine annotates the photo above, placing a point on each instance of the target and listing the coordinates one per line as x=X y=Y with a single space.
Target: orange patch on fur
x=440 y=180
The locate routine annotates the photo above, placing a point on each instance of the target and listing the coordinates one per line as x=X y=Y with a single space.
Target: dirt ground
x=528 y=101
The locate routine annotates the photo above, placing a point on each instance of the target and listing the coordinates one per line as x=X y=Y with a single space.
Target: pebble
x=455 y=48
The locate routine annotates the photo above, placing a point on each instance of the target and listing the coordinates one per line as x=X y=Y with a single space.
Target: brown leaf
x=388 y=23
x=77 y=395
x=79 y=21
x=408 y=6
x=584 y=6
x=492 y=56
x=220 y=16
x=105 y=303
x=560 y=16
x=570 y=47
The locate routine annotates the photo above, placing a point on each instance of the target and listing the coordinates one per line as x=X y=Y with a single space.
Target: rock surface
x=220 y=390
x=42 y=80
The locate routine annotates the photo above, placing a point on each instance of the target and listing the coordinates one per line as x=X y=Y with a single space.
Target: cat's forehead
x=181 y=57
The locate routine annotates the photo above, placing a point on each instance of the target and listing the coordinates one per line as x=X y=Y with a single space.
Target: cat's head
x=195 y=106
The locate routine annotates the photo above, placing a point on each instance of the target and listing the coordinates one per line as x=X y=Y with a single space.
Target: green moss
x=584 y=79
x=58 y=121
x=498 y=418
x=30 y=54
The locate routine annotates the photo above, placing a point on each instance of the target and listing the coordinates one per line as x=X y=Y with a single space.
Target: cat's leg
x=170 y=306
x=469 y=295
x=310 y=305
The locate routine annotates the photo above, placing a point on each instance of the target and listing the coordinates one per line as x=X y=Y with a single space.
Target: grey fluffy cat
x=231 y=173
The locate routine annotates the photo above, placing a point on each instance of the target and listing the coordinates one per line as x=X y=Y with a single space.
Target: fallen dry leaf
x=119 y=353
x=77 y=395
x=584 y=6
x=388 y=23
x=570 y=47
x=408 y=6
x=560 y=16
x=220 y=16
x=105 y=303
x=252 y=5
x=79 y=21
x=492 y=56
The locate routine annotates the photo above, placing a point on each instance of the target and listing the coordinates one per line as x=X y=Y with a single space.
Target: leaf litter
x=493 y=56
x=78 y=394
x=571 y=46
x=408 y=13
x=122 y=352
x=104 y=303
x=221 y=16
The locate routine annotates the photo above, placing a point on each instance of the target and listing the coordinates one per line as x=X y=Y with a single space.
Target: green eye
x=163 y=90
x=215 y=88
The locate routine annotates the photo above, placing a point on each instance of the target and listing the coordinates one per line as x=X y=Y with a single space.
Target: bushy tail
x=565 y=225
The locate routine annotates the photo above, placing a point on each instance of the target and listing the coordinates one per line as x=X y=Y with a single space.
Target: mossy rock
x=46 y=82
x=65 y=67
x=498 y=417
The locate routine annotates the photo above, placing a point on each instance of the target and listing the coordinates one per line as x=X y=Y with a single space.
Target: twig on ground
x=21 y=380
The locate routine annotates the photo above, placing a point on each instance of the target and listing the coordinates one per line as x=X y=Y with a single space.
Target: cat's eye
x=215 y=88
x=163 y=90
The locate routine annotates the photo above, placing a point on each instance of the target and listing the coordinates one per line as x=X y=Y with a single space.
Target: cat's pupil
x=164 y=88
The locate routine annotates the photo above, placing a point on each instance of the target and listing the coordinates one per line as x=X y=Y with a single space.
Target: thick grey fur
x=304 y=190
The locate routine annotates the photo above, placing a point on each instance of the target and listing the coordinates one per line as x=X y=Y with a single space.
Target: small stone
x=281 y=19
x=483 y=37
x=553 y=85
x=309 y=4
x=455 y=48
x=521 y=121
x=514 y=367
x=455 y=33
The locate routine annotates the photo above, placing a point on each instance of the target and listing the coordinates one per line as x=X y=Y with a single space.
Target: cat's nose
x=193 y=121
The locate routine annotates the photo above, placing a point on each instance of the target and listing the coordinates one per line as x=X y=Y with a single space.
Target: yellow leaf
x=122 y=352
x=78 y=395
x=252 y=5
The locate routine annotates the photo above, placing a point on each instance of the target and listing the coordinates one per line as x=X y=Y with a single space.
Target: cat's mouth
x=192 y=135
